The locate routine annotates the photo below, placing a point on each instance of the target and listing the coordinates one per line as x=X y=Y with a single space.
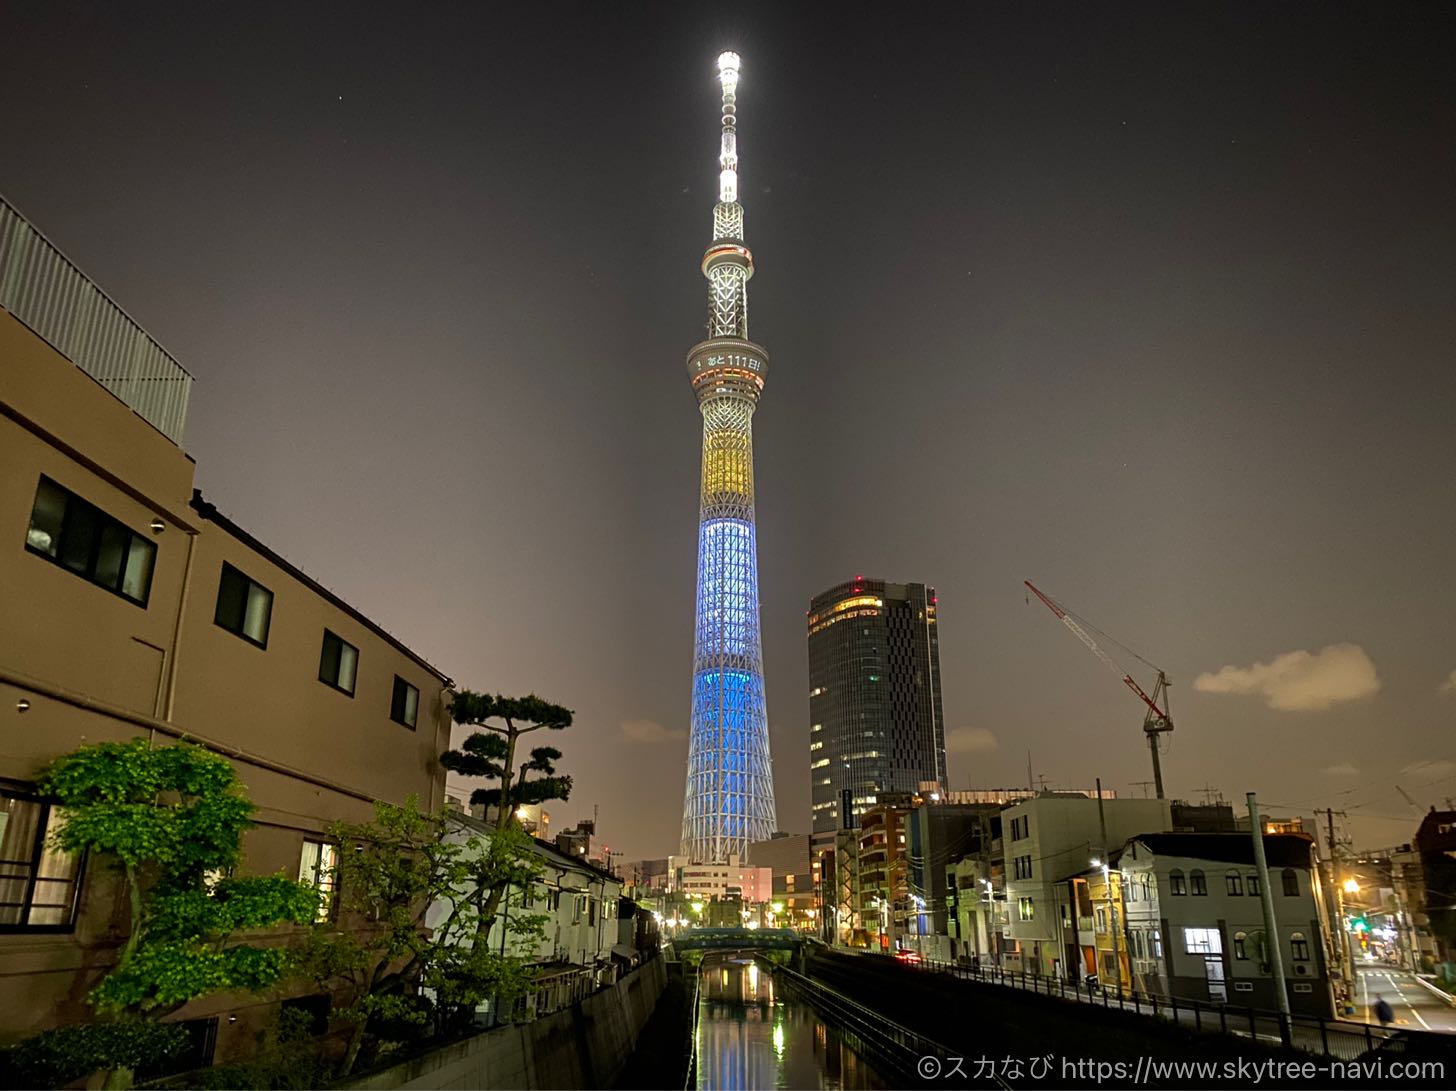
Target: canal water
x=753 y=1037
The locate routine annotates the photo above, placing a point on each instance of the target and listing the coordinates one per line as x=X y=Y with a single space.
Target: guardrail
x=1336 y=1039
x=62 y=306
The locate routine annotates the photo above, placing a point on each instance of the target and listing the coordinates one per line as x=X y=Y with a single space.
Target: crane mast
x=1156 y=719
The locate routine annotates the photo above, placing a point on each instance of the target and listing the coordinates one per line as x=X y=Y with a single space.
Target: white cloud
x=649 y=731
x=1343 y=769
x=1300 y=681
x=1449 y=685
x=969 y=740
x=1435 y=768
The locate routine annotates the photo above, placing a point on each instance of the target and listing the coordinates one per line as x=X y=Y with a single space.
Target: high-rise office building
x=730 y=798
x=875 y=719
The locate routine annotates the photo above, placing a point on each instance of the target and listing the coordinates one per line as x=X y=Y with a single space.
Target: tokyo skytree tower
x=730 y=795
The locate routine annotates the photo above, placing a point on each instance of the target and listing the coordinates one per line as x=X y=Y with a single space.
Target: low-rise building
x=1193 y=908
x=786 y=855
x=883 y=886
x=1049 y=841
x=133 y=608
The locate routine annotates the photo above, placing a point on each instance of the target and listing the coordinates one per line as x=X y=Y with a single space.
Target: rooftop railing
x=61 y=305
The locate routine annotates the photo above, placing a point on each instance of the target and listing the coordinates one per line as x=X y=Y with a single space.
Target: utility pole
x=1271 y=930
x=1337 y=896
x=1107 y=883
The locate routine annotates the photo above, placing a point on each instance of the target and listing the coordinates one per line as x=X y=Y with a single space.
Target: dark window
x=80 y=536
x=1290 y=881
x=1240 y=951
x=243 y=607
x=1253 y=886
x=1300 y=947
x=404 y=707
x=338 y=663
x=1197 y=883
x=201 y=1041
x=38 y=883
x=1235 y=883
x=1175 y=882
x=313 y=1013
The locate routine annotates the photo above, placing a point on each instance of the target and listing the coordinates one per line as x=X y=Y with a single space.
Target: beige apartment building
x=131 y=607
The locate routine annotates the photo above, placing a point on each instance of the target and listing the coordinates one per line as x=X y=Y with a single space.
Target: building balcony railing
x=61 y=305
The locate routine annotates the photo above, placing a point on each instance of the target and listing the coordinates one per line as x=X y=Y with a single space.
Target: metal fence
x=1337 y=1039
x=41 y=288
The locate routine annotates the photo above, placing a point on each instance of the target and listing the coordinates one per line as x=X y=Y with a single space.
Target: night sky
x=1152 y=304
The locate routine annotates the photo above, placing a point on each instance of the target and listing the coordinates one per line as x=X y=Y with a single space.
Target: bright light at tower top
x=728 y=159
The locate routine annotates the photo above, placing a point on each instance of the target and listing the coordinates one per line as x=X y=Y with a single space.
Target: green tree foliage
x=57 y=1057
x=491 y=751
x=172 y=820
x=423 y=880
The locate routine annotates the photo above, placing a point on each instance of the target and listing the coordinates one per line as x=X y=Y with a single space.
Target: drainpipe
x=170 y=701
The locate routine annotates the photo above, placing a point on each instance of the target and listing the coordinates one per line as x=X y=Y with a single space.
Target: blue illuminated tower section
x=730 y=799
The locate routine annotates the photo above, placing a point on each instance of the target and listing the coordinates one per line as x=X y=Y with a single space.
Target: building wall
x=789 y=863
x=1167 y=965
x=1062 y=835
x=374 y=755
x=81 y=664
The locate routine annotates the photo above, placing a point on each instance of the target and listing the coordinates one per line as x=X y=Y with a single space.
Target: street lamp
x=1352 y=886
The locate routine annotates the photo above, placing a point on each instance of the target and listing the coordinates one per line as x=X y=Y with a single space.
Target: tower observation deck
x=730 y=798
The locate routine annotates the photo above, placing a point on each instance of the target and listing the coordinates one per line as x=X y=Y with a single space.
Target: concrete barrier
x=585 y=1045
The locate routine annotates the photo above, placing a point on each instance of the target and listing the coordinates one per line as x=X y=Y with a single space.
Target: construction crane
x=1156 y=720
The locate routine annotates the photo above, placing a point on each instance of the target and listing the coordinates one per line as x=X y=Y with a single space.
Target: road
x=1414 y=1005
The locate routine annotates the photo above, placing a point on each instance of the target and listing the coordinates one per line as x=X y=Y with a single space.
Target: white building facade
x=1194 y=919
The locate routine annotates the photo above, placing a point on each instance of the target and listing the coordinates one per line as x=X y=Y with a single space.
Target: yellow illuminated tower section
x=730 y=799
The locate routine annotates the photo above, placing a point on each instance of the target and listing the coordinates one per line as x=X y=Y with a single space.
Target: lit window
x=318 y=866
x=1252 y=886
x=37 y=881
x=81 y=537
x=1202 y=941
x=1235 y=883
x=1176 y=884
x=1026 y=909
x=1300 y=947
x=338 y=663
x=820 y=764
x=1196 y=883
x=243 y=606
x=817 y=744
x=404 y=706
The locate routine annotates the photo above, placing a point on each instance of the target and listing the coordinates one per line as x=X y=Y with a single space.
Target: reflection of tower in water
x=752 y=1035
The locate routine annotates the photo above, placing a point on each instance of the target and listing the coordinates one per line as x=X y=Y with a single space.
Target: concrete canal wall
x=583 y=1046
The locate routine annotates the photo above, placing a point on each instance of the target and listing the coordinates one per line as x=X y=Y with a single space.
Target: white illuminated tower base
x=730 y=796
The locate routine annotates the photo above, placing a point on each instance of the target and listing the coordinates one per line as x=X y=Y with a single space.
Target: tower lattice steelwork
x=730 y=798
